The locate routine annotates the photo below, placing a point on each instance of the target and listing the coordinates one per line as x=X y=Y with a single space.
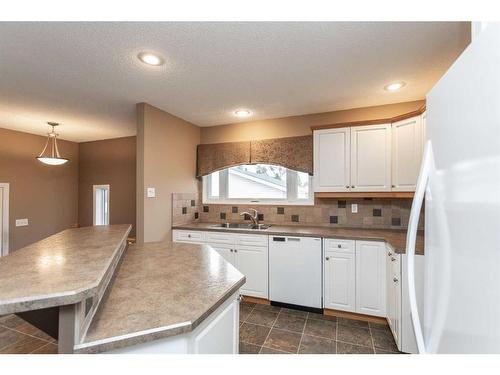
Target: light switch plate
x=354 y=208
x=151 y=192
x=21 y=222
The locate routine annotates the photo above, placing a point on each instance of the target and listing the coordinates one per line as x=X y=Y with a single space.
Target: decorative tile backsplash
x=186 y=208
x=372 y=213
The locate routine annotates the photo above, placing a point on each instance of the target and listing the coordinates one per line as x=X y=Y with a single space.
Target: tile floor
x=266 y=329
x=20 y=337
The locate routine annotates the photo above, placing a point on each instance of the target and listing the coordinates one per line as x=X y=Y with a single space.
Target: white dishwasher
x=295 y=271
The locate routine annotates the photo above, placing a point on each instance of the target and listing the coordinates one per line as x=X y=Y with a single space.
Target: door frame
x=4 y=250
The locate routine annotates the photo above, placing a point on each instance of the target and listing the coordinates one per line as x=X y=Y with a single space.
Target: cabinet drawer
x=188 y=236
x=215 y=237
x=251 y=240
x=347 y=246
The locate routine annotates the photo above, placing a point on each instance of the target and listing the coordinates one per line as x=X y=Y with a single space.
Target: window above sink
x=258 y=184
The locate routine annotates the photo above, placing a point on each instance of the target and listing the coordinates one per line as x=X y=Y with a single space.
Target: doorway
x=101 y=205
x=4 y=219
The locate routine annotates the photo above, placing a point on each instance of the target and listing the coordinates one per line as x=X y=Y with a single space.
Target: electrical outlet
x=151 y=192
x=21 y=222
x=354 y=208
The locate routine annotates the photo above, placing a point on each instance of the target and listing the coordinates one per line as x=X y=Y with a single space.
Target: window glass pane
x=303 y=185
x=257 y=181
x=214 y=184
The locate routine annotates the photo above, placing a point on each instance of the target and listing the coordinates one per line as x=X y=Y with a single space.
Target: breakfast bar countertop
x=160 y=290
x=395 y=237
x=62 y=269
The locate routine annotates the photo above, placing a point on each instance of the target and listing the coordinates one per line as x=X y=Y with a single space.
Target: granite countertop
x=396 y=238
x=61 y=269
x=160 y=290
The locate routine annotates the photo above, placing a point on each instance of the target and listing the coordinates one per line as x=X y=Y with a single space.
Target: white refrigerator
x=460 y=182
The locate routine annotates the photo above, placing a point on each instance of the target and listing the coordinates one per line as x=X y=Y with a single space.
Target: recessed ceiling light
x=395 y=86
x=242 y=113
x=150 y=58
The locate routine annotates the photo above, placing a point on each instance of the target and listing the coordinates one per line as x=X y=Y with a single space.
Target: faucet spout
x=254 y=217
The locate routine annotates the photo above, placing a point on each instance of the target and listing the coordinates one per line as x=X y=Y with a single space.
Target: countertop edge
x=51 y=300
x=140 y=337
x=270 y=232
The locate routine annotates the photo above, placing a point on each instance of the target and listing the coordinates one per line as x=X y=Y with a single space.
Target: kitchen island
x=169 y=298
x=78 y=287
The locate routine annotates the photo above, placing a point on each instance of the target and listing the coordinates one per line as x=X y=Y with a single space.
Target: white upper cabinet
x=332 y=160
x=371 y=158
x=407 y=136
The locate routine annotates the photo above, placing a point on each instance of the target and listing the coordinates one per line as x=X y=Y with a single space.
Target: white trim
x=94 y=188
x=4 y=249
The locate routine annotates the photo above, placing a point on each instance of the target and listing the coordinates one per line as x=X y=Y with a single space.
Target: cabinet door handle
x=389 y=254
x=339 y=246
x=395 y=279
x=393 y=186
x=347 y=187
x=235 y=250
x=352 y=186
x=327 y=258
x=393 y=259
x=189 y=236
x=231 y=250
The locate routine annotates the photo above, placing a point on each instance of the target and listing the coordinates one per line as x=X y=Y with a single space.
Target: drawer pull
x=339 y=246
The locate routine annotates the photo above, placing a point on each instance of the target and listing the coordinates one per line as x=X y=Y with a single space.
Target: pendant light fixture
x=52 y=158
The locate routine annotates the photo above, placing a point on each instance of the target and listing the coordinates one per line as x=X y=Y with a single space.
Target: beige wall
x=166 y=160
x=108 y=162
x=46 y=195
x=300 y=125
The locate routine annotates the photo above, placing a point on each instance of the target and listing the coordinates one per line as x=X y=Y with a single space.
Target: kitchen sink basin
x=242 y=226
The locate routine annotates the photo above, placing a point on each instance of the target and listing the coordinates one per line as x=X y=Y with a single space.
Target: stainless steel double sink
x=242 y=226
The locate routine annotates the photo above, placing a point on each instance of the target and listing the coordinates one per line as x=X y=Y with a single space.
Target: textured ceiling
x=87 y=76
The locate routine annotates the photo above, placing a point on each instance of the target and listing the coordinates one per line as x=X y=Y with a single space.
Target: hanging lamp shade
x=50 y=153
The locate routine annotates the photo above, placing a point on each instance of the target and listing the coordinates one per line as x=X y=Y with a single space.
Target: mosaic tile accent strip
x=374 y=213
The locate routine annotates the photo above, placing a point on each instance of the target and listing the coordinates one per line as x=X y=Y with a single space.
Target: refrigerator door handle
x=411 y=238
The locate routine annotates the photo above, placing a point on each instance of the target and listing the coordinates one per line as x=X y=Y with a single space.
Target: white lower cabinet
x=340 y=275
x=246 y=252
x=393 y=287
x=226 y=251
x=370 y=278
x=354 y=276
x=252 y=262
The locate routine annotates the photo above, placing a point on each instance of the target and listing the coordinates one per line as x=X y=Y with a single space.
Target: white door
x=371 y=158
x=332 y=160
x=370 y=278
x=252 y=261
x=4 y=219
x=226 y=251
x=340 y=281
x=406 y=153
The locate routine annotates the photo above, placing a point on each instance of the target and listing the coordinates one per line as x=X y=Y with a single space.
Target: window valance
x=292 y=152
